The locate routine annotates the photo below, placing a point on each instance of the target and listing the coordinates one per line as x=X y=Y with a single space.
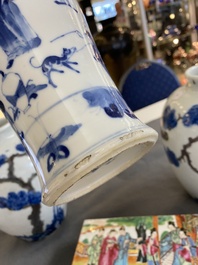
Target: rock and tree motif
x=170 y=122
x=26 y=196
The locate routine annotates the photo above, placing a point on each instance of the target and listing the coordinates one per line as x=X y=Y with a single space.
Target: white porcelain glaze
x=179 y=126
x=21 y=212
x=60 y=99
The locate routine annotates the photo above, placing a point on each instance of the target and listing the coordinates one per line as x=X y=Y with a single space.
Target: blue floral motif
x=109 y=100
x=17 y=201
x=57 y=220
x=3 y=159
x=169 y=118
x=191 y=117
x=172 y=157
x=20 y=148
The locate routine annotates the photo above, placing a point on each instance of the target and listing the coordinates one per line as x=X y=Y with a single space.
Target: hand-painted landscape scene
x=152 y=240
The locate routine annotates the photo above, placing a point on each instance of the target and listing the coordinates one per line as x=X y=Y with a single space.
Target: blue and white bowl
x=179 y=129
x=21 y=212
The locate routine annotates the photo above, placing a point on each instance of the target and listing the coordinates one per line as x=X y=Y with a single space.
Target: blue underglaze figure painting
x=50 y=63
x=65 y=2
x=54 y=148
x=16 y=35
x=87 y=35
x=29 y=90
x=109 y=100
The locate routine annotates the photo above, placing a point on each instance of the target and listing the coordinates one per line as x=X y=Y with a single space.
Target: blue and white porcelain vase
x=21 y=212
x=179 y=130
x=59 y=98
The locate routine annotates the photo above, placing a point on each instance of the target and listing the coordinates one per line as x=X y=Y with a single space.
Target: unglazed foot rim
x=89 y=174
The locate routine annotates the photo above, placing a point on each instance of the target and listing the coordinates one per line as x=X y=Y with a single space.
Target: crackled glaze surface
x=59 y=97
x=179 y=126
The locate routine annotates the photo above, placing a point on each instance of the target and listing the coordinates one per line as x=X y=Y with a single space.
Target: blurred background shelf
x=163 y=30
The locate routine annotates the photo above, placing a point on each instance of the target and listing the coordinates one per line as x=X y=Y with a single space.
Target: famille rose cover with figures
x=152 y=240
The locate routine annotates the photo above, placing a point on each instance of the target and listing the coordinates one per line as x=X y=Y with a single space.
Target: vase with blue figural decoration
x=179 y=130
x=59 y=98
x=21 y=212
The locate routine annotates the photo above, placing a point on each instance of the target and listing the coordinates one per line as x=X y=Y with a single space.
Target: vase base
x=92 y=171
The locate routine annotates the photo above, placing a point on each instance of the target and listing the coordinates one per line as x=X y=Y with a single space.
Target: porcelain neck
x=192 y=76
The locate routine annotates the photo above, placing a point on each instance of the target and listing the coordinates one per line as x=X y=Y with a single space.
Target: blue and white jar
x=21 y=212
x=179 y=130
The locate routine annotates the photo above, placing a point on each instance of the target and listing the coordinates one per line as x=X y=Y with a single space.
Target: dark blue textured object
x=146 y=83
x=191 y=117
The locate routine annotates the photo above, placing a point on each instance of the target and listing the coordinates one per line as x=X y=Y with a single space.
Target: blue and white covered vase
x=21 y=212
x=179 y=129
